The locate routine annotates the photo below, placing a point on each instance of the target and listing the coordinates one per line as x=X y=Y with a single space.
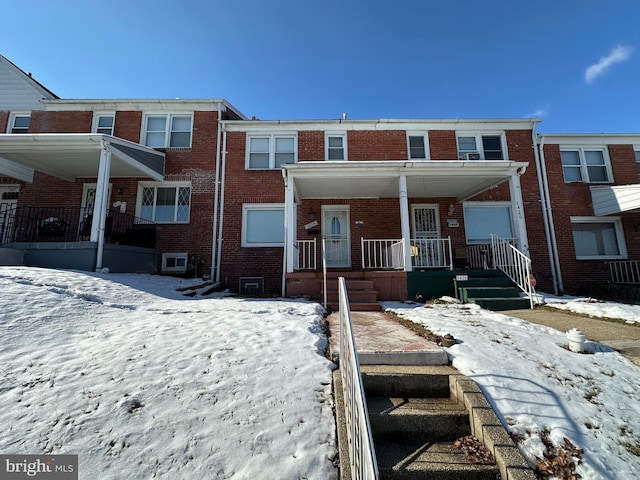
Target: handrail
x=362 y=456
x=388 y=254
x=324 y=271
x=383 y=254
x=515 y=264
x=624 y=271
x=306 y=250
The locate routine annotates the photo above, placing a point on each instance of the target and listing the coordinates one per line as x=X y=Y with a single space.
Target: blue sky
x=574 y=63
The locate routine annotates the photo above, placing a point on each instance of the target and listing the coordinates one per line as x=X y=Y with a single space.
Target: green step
x=505 y=303
x=484 y=282
x=488 y=292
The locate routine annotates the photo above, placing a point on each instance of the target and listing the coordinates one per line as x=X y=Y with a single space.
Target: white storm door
x=336 y=235
x=86 y=212
x=426 y=234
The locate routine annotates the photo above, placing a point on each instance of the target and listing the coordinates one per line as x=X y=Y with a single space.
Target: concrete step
x=354 y=296
x=437 y=418
x=501 y=303
x=356 y=306
x=415 y=457
x=488 y=292
x=409 y=381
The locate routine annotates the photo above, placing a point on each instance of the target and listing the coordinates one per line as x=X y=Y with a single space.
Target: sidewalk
x=622 y=337
x=382 y=341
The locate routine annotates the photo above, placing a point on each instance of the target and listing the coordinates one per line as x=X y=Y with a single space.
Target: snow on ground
x=142 y=382
x=535 y=384
x=593 y=307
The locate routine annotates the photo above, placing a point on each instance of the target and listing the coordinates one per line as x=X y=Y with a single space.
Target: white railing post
x=515 y=264
x=324 y=272
x=362 y=457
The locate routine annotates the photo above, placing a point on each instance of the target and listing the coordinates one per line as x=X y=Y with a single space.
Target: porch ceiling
x=72 y=156
x=459 y=179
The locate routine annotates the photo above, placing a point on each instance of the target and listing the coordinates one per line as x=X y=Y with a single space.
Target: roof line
x=29 y=77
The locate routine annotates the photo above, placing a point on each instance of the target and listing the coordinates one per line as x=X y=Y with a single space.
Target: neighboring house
x=591 y=197
x=114 y=183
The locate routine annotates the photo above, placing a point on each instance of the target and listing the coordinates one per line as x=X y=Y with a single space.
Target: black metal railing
x=73 y=224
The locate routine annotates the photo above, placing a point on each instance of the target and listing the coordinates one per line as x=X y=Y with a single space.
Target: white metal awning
x=70 y=156
x=608 y=200
x=380 y=179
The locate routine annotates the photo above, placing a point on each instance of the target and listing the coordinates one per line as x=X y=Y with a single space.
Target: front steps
x=491 y=289
x=362 y=295
x=416 y=414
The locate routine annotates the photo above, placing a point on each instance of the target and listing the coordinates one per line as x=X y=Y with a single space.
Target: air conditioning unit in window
x=471 y=156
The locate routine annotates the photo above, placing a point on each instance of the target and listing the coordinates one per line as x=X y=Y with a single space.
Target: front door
x=8 y=205
x=86 y=212
x=426 y=234
x=336 y=235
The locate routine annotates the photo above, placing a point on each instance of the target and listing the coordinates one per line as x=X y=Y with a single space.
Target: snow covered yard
x=142 y=382
x=542 y=390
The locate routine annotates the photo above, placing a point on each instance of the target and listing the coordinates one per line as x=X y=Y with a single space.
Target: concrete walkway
x=623 y=337
x=382 y=341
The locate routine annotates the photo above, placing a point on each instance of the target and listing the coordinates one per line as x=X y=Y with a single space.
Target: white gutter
x=224 y=167
x=214 y=239
x=552 y=245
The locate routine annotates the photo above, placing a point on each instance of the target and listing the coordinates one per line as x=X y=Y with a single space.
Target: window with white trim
x=481 y=219
x=167 y=130
x=263 y=225
x=168 y=202
x=269 y=151
x=417 y=146
x=103 y=123
x=637 y=152
x=19 y=123
x=588 y=165
x=598 y=238
x=481 y=147
x=335 y=146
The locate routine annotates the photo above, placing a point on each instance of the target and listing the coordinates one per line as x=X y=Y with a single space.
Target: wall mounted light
x=452 y=208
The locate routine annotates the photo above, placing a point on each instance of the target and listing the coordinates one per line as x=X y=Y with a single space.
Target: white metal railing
x=479 y=257
x=515 y=264
x=382 y=254
x=431 y=253
x=362 y=457
x=306 y=254
x=624 y=271
x=324 y=272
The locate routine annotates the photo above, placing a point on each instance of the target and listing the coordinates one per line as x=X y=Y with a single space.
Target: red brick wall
x=443 y=145
x=311 y=145
x=623 y=164
x=60 y=122
x=128 y=125
x=4 y=120
x=377 y=145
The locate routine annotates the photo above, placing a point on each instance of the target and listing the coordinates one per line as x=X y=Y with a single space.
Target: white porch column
x=100 y=206
x=404 y=223
x=290 y=226
x=517 y=213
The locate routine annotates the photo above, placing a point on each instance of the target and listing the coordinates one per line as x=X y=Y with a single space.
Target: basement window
x=174 y=262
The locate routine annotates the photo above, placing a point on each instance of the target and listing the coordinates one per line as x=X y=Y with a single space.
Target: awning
x=371 y=179
x=70 y=156
x=608 y=200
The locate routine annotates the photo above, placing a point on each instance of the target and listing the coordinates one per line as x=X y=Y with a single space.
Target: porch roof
x=75 y=155
x=608 y=199
x=380 y=179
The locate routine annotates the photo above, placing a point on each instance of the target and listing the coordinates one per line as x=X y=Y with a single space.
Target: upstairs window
x=172 y=131
x=335 y=146
x=585 y=165
x=270 y=151
x=418 y=147
x=103 y=123
x=19 y=123
x=481 y=147
x=164 y=203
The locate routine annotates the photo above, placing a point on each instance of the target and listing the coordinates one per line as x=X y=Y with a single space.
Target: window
x=637 y=152
x=270 y=151
x=585 y=165
x=19 y=123
x=481 y=219
x=596 y=238
x=481 y=147
x=173 y=131
x=336 y=146
x=103 y=123
x=174 y=262
x=418 y=146
x=164 y=202
x=263 y=225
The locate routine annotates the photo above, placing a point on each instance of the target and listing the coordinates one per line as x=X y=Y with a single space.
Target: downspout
x=547 y=216
x=286 y=232
x=224 y=167
x=214 y=240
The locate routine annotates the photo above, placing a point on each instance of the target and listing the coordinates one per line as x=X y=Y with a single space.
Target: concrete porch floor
x=382 y=341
